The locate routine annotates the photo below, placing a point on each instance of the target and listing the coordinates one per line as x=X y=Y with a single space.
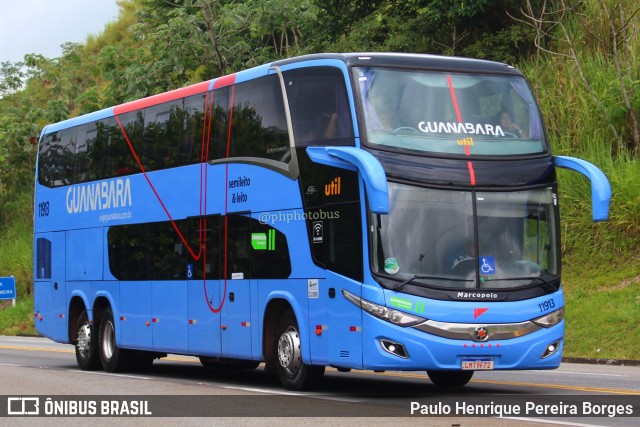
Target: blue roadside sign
x=7 y=288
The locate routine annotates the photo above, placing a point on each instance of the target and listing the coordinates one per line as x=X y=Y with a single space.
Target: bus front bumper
x=398 y=348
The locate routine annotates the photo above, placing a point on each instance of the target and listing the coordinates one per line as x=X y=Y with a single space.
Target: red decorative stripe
x=472 y=174
x=162 y=97
x=153 y=188
x=224 y=81
x=454 y=99
x=467 y=150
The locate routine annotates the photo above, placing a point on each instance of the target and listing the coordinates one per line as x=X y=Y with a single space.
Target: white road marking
x=107 y=374
x=577 y=373
x=543 y=421
x=290 y=393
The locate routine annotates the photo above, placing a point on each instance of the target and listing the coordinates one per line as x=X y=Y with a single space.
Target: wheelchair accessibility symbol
x=487 y=265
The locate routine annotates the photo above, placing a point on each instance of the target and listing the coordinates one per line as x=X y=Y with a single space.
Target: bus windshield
x=431 y=237
x=449 y=113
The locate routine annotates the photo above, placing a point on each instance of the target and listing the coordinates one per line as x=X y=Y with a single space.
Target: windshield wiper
x=544 y=281
x=420 y=276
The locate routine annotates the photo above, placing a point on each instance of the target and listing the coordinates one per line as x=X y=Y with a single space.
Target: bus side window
x=57 y=158
x=44 y=171
x=161 y=141
x=128 y=252
x=193 y=128
x=259 y=126
x=46 y=159
x=167 y=254
x=147 y=251
x=204 y=241
x=85 y=170
x=120 y=160
x=270 y=257
x=238 y=244
x=319 y=106
x=218 y=123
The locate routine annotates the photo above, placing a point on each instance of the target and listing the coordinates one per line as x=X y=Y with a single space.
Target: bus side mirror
x=600 y=188
x=355 y=159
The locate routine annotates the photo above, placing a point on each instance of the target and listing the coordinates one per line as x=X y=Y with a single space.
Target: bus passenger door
x=203 y=281
x=169 y=290
x=50 y=304
x=236 y=322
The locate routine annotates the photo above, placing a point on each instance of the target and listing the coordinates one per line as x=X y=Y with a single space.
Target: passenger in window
x=378 y=115
x=458 y=256
x=508 y=126
x=325 y=127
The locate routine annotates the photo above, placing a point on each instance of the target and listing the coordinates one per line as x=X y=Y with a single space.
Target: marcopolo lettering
x=115 y=193
x=480 y=295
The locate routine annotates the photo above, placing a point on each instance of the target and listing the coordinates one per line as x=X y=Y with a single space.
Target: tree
x=451 y=27
x=11 y=77
x=609 y=27
x=197 y=39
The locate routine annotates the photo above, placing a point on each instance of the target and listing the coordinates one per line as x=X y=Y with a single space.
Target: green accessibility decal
x=264 y=241
x=407 y=304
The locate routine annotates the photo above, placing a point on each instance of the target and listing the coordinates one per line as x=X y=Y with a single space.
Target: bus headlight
x=550 y=319
x=394 y=316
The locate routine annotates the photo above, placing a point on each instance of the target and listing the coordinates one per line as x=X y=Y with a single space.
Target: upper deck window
x=450 y=113
x=319 y=106
x=258 y=124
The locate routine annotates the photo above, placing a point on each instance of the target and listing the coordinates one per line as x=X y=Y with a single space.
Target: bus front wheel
x=450 y=378
x=113 y=359
x=86 y=344
x=294 y=374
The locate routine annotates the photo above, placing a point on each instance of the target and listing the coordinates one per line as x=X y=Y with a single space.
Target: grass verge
x=602 y=307
x=17 y=320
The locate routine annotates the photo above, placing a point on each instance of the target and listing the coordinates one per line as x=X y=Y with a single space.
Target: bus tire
x=86 y=344
x=293 y=373
x=450 y=378
x=113 y=359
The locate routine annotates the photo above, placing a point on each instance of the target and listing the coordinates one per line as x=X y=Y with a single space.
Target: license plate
x=484 y=364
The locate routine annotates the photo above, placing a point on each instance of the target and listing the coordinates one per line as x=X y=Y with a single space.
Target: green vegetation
x=602 y=319
x=18 y=320
x=580 y=57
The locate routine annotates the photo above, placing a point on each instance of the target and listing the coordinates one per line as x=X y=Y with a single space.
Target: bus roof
x=409 y=60
x=372 y=59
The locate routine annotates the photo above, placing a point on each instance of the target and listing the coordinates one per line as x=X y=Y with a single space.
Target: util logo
x=465 y=141
x=333 y=188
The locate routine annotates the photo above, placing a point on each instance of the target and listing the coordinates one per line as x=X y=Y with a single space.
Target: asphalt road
x=188 y=394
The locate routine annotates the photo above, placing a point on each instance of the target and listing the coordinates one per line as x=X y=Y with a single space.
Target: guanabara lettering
x=97 y=196
x=466 y=128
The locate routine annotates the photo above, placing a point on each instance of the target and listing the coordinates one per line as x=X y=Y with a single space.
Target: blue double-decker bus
x=360 y=211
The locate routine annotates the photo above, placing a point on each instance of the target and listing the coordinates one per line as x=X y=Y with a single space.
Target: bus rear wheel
x=450 y=378
x=86 y=344
x=294 y=374
x=113 y=359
